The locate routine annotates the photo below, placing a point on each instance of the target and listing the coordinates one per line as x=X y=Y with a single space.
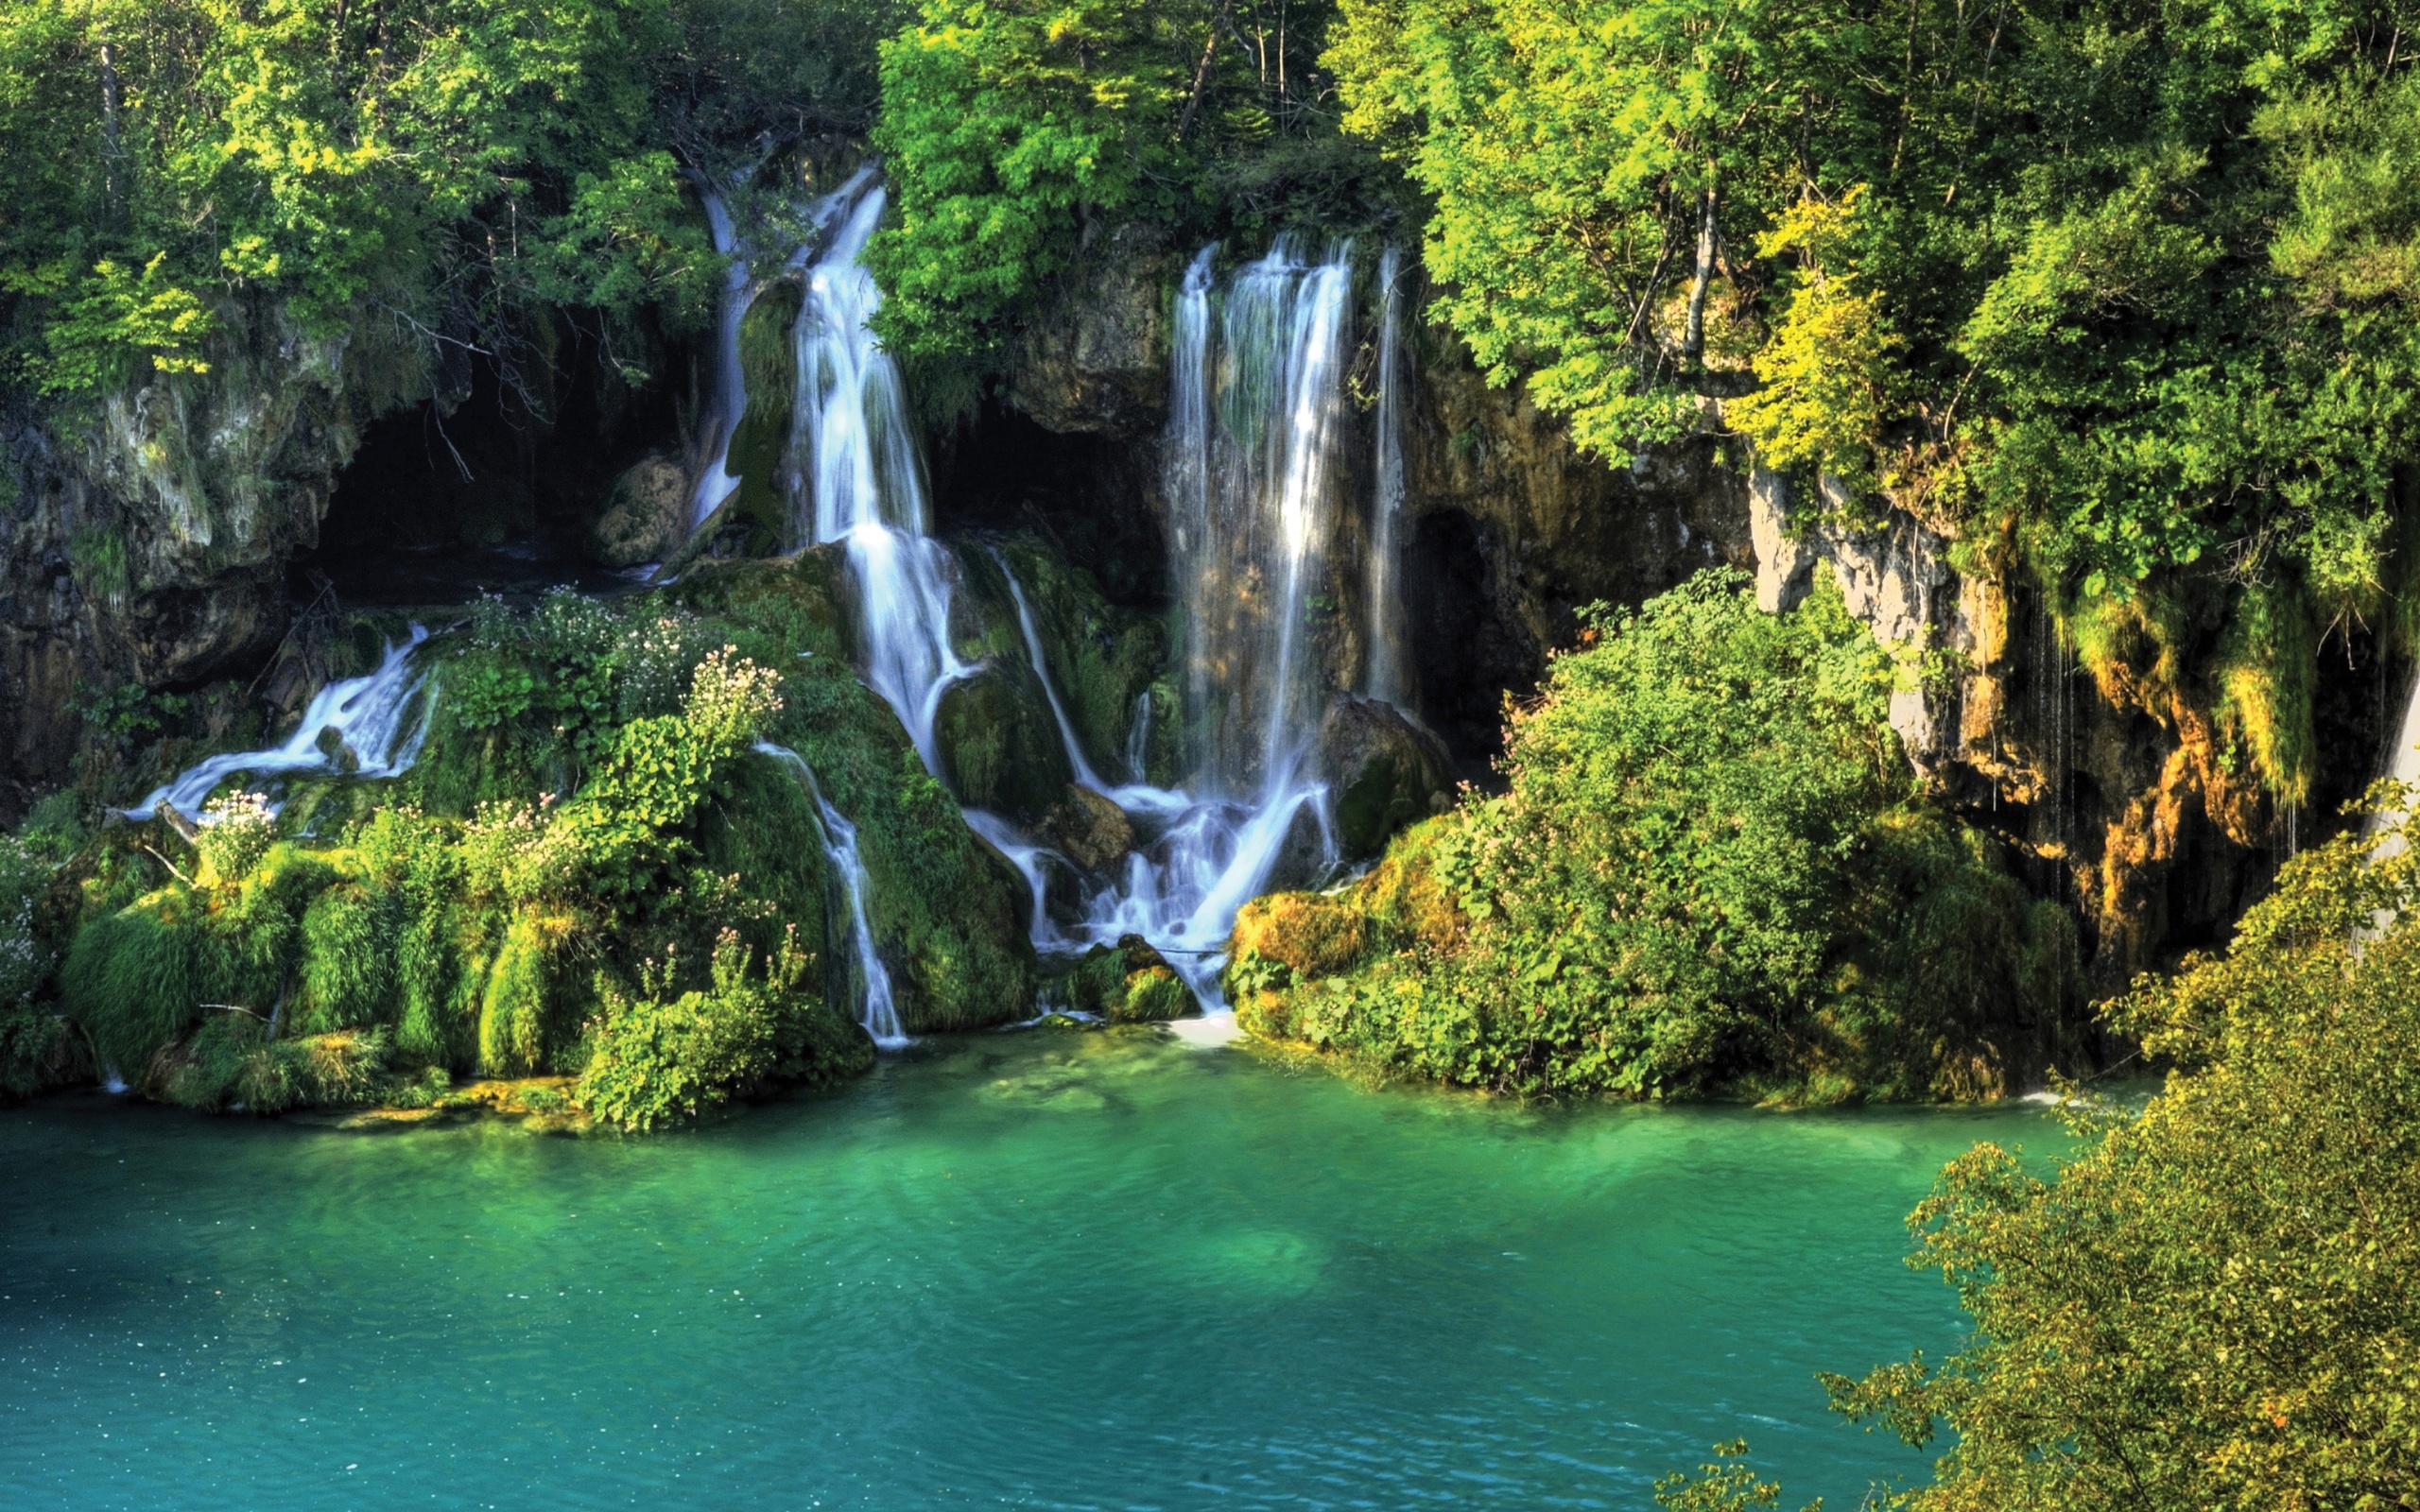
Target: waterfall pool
x=1048 y=1269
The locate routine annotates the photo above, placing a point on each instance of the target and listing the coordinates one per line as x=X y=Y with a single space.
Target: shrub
x=657 y=1058
x=1711 y=872
x=2210 y=1305
x=237 y=828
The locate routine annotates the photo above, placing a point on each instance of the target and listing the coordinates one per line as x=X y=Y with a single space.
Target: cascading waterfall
x=1255 y=427
x=868 y=979
x=371 y=716
x=1384 y=660
x=857 y=475
x=715 y=482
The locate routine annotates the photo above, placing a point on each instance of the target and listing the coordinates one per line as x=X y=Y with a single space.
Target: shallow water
x=1051 y=1270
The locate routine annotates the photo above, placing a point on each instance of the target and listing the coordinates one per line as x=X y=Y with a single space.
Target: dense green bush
x=2211 y=1305
x=1710 y=873
x=657 y=1056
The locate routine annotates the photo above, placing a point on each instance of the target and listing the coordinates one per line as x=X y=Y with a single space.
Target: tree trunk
x=111 y=151
x=1693 y=343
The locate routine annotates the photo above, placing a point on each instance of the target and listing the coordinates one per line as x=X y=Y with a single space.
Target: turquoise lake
x=1047 y=1270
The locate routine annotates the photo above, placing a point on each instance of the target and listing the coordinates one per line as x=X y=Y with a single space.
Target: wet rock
x=999 y=749
x=1384 y=772
x=643 y=514
x=1095 y=360
x=1088 y=829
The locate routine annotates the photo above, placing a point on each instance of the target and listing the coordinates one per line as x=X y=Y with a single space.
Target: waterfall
x=1257 y=486
x=715 y=481
x=1383 y=663
x=369 y=716
x=857 y=475
x=1253 y=442
x=1085 y=776
x=870 y=980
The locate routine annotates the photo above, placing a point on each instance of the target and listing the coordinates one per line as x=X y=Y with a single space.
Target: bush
x=2211 y=1305
x=1711 y=873
x=657 y=1059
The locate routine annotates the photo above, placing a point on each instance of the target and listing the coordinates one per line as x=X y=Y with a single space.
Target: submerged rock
x=643 y=514
x=1385 y=772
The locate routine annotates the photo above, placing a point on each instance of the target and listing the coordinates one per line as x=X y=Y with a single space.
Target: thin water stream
x=1044 y=1270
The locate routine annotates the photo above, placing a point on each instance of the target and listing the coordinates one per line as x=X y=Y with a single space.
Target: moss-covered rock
x=1310 y=933
x=1384 y=772
x=1087 y=829
x=1103 y=661
x=999 y=747
x=1152 y=996
x=642 y=513
x=947 y=911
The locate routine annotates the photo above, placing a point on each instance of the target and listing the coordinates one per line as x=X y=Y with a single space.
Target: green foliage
x=998 y=121
x=657 y=1059
x=2137 y=283
x=1726 y=1486
x=237 y=828
x=1709 y=873
x=2210 y=1305
x=463 y=937
x=1009 y=128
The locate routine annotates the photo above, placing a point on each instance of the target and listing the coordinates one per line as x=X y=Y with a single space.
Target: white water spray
x=369 y=716
x=715 y=482
x=858 y=476
x=1384 y=658
x=870 y=980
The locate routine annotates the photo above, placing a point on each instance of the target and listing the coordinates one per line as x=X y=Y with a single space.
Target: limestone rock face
x=144 y=535
x=643 y=515
x=1096 y=359
x=2108 y=788
x=1384 y=772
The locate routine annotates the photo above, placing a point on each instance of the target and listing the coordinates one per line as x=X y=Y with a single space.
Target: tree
x=2212 y=1305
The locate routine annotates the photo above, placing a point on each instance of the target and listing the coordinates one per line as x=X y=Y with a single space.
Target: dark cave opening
x=496 y=492
x=1466 y=656
x=1095 y=498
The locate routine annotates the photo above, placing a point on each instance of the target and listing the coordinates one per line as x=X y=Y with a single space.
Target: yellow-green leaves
x=118 y=318
x=1826 y=375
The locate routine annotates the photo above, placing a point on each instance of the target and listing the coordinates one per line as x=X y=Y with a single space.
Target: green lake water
x=1047 y=1270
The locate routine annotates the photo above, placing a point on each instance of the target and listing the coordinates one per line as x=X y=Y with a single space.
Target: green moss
x=999 y=746
x=132 y=979
x=349 y=953
x=759 y=510
x=1102 y=659
x=1152 y=996
x=513 y=1010
x=2266 y=669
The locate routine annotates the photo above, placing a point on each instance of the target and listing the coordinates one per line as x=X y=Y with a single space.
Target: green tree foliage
x=2211 y=1306
x=1709 y=872
x=1008 y=125
x=2133 y=282
x=422 y=156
